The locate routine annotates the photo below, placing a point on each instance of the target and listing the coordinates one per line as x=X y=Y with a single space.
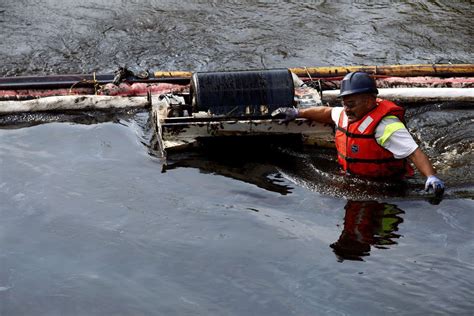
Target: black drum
x=236 y=93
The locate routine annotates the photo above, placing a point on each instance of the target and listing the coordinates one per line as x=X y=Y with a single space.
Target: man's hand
x=436 y=184
x=289 y=114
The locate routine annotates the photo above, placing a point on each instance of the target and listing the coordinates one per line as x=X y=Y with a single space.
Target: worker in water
x=371 y=138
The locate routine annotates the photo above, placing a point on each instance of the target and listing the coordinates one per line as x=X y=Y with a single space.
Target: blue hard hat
x=356 y=83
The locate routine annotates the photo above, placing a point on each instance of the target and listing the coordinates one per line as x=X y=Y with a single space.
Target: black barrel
x=255 y=92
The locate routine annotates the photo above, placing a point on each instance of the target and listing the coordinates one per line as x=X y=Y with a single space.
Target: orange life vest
x=358 y=151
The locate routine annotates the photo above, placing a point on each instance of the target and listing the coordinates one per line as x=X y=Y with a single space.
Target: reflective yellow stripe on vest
x=389 y=130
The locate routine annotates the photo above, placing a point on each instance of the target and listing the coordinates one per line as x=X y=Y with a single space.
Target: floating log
x=64 y=103
x=183 y=77
x=415 y=95
x=173 y=74
x=438 y=70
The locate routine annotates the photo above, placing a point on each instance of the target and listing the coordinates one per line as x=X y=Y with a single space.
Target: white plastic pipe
x=76 y=102
x=416 y=94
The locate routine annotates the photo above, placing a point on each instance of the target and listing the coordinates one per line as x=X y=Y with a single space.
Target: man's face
x=357 y=106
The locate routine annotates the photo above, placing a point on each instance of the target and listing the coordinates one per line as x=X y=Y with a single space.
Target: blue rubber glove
x=436 y=184
x=289 y=113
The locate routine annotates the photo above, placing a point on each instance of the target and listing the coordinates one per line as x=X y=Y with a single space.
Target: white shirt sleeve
x=401 y=144
x=336 y=113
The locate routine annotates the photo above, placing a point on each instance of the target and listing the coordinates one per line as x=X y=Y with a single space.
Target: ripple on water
x=105 y=232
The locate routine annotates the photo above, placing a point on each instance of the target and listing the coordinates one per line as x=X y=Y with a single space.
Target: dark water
x=91 y=225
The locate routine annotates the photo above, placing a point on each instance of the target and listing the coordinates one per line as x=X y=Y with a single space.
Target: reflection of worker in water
x=367 y=223
x=371 y=138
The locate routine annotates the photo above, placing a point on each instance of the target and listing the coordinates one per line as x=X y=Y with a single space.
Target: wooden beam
x=390 y=70
x=437 y=70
